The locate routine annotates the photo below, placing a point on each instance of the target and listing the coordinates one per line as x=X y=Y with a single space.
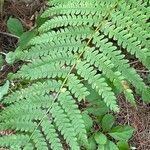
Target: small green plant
x=76 y=58
x=15 y=27
x=103 y=132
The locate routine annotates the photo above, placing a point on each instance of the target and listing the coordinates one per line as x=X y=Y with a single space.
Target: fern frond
x=39 y=141
x=140 y=5
x=22 y=109
x=98 y=8
x=98 y=83
x=35 y=52
x=103 y=64
x=126 y=40
x=81 y=42
x=77 y=88
x=64 y=21
x=43 y=71
x=38 y=88
x=51 y=135
x=69 y=33
x=137 y=17
x=64 y=126
x=71 y=9
x=43 y=68
x=55 y=58
x=120 y=19
x=113 y=54
x=16 y=140
x=72 y=111
x=78 y=7
x=18 y=125
x=57 y=2
x=27 y=112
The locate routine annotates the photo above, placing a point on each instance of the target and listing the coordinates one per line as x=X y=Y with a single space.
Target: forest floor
x=139 y=118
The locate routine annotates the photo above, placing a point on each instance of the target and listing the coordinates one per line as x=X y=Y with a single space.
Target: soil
x=26 y=12
x=139 y=118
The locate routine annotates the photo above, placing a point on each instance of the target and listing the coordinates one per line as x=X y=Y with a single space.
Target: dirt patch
x=139 y=118
x=26 y=12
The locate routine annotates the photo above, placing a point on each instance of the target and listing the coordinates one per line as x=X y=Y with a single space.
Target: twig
x=9 y=34
x=143 y=71
x=134 y=62
x=3 y=53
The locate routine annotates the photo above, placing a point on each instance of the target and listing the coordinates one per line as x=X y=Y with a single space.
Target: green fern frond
x=133 y=27
x=64 y=21
x=71 y=45
x=81 y=42
x=13 y=140
x=113 y=54
x=77 y=33
x=126 y=40
x=64 y=126
x=98 y=83
x=51 y=135
x=78 y=7
x=140 y=5
x=39 y=141
x=137 y=17
x=44 y=71
x=103 y=64
x=37 y=88
x=27 y=112
x=18 y=125
x=72 y=111
x=77 y=88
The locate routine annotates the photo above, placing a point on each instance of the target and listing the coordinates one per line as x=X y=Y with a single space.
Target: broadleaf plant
x=79 y=50
x=110 y=136
x=15 y=26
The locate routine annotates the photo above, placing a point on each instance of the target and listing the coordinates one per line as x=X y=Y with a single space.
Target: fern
x=82 y=41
